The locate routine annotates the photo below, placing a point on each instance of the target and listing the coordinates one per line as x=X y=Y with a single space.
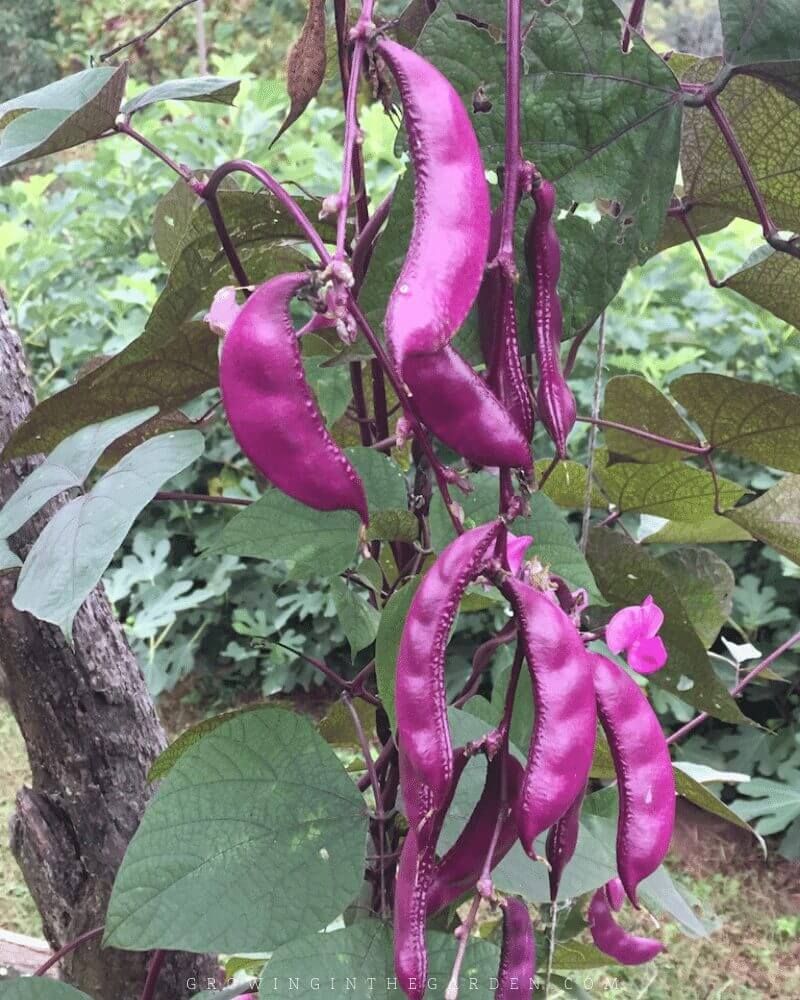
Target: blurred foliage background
x=81 y=273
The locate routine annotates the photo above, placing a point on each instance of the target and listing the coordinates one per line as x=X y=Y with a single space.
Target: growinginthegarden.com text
x=366 y=986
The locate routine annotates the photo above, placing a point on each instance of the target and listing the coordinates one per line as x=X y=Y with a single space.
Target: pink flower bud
x=224 y=310
x=634 y=631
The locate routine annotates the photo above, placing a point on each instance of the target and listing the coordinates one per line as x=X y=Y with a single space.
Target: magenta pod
x=555 y=404
x=450 y=235
x=613 y=940
x=561 y=843
x=462 y=411
x=644 y=769
x=460 y=868
x=615 y=894
x=272 y=411
x=562 y=743
x=414 y=873
x=497 y=323
x=518 y=954
x=420 y=694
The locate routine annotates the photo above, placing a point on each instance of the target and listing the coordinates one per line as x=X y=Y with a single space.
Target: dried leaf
x=305 y=67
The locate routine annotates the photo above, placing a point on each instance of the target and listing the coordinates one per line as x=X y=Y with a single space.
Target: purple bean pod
x=644 y=769
x=460 y=868
x=615 y=894
x=562 y=742
x=615 y=941
x=555 y=404
x=518 y=953
x=420 y=694
x=497 y=323
x=462 y=411
x=450 y=235
x=561 y=843
x=272 y=411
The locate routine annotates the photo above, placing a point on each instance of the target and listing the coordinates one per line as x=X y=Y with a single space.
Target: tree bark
x=91 y=733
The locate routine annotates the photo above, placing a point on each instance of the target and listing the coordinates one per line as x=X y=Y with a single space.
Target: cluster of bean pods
x=489 y=421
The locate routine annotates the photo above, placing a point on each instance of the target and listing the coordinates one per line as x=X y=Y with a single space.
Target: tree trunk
x=91 y=732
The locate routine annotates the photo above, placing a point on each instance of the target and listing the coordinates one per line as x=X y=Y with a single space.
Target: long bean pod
x=518 y=953
x=615 y=941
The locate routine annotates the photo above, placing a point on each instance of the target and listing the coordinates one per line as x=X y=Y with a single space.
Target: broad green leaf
x=167 y=759
x=626 y=574
x=708 y=531
x=39 y=988
x=362 y=955
x=750 y=419
x=338 y=729
x=163 y=368
x=770 y=279
x=704 y=220
x=387 y=642
x=573 y=62
x=573 y=955
x=774 y=518
x=383 y=479
x=706 y=584
x=277 y=527
x=777 y=803
x=8 y=559
x=210 y=89
x=635 y=402
x=767 y=127
x=670 y=490
x=554 y=544
x=71 y=111
x=566 y=485
x=756 y=31
x=359 y=620
x=480 y=506
x=75 y=548
x=393 y=525
x=256 y=801
x=331 y=386
x=66 y=467
x=705 y=799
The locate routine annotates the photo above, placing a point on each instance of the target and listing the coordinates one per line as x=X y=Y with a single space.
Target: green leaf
x=671 y=490
x=566 y=485
x=387 y=642
x=704 y=220
x=393 y=525
x=774 y=518
x=65 y=468
x=770 y=279
x=554 y=544
x=8 y=559
x=383 y=479
x=573 y=62
x=39 y=989
x=626 y=574
x=756 y=31
x=331 y=386
x=75 y=548
x=749 y=419
x=363 y=954
x=277 y=527
x=633 y=401
x=707 y=531
x=706 y=584
x=480 y=507
x=777 y=803
x=255 y=802
x=359 y=620
x=71 y=111
x=338 y=729
x=167 y=759
x=573 y=955
x=767 y=127
x=210 y=89
x=163 y=368
x=705 y=799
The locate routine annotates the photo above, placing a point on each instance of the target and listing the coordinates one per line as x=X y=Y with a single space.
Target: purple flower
x=518 y=545
x=634 y=631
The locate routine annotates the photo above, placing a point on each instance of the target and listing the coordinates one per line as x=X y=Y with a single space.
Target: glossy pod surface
x=450 y=235
x=518 y=954
x=561 y=843
x=562 y=743
x=420 y=694
x=272 y=411
x=615 y=941
x=644 y=769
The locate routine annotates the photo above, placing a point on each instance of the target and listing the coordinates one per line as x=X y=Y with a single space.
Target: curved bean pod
x=562 y=743
x=462 y=411
x=615 y=894
x=518 y=953
x=450 y=235
x=625 y=948
x=555 y=404
x=460 y=868
x=497 y=324
x=414 y=873
x=561 y=843
x=272 y=411
x=644 y=769
x=420 y=695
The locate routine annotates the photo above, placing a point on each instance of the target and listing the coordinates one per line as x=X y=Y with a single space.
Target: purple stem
x=633 y=22
x=214 y=210
x=759 y=668
x=512 y=171
x=65 y=949
x=575 y=346
x=124 y=127
x=684 y=217
x=153 y=972
x=692 y=449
